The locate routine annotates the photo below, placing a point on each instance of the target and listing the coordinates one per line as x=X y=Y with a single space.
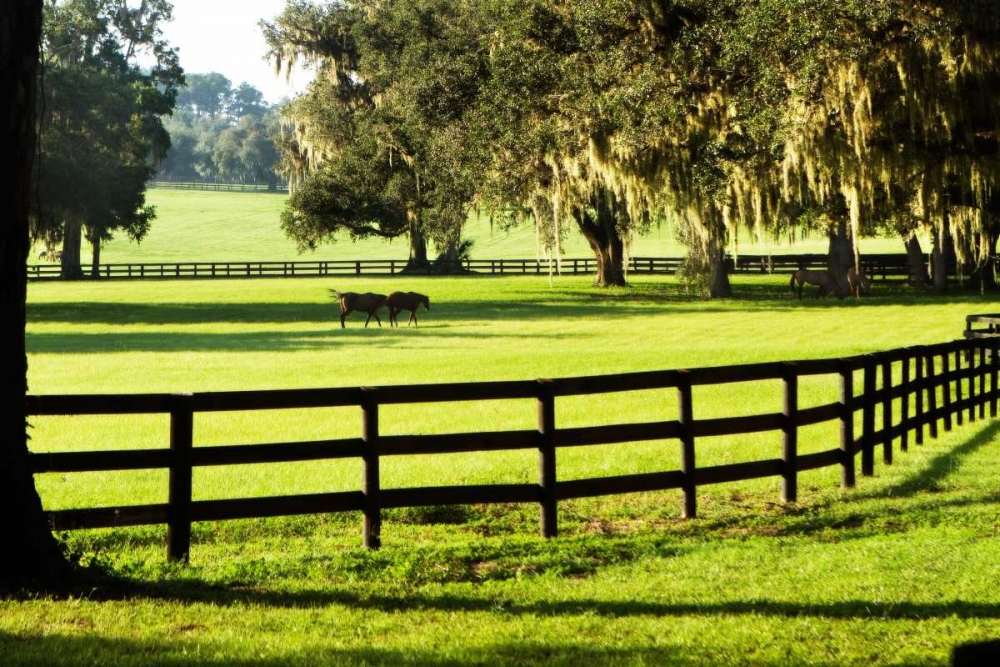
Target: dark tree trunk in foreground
x=72 y=244
x=915 y=260
x=30 y=557
x=603 y=235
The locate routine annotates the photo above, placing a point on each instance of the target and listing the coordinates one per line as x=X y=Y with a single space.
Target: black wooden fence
x=877 y=266
x=936 y=385
x=219 y=187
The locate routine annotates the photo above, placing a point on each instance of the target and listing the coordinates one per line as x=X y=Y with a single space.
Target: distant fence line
x=876 y=266
x=218 y=187
x=927 y=394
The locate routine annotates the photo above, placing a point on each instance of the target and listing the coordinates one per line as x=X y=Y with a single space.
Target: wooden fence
x=219 y=187
x=928 y=393
x=875 y=266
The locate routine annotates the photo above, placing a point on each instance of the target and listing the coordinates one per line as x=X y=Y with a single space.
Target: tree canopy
x=850 y=115
x=101 y=123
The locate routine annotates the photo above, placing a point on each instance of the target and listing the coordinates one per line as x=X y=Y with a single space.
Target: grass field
x=895 y=572
x=221 y=226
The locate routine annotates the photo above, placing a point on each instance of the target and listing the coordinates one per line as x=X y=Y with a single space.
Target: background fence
x=937 y=385
x=875 y=266
x=219 y=187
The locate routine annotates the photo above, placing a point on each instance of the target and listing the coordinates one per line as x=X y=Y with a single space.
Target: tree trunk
x=30 y=557
x=95 y=264
x=939 y=263
x=841 y=253
x=418 y=245
x=915 y=259
x=72 y=244
x=984 y=275
x=605 y=240
x=720 y=287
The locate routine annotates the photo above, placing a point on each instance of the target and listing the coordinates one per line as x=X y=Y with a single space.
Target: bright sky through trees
x=223 y=36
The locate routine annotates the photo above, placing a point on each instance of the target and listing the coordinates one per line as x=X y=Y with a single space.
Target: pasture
x=896 y=571
x=222 y=226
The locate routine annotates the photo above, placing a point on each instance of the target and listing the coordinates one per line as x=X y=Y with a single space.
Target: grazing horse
x=858 y=283
x=366 y=303
x=824 y=279
x=410 y=301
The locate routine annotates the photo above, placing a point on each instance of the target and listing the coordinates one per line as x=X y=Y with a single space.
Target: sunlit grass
x=896 y=571
x=224 y=226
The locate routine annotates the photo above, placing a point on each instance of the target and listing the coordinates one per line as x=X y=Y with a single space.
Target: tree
x=206 y=94
x=102 y=128
x=30 y=557
x=385 y=109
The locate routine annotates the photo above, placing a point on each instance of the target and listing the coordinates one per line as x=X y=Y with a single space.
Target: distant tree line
x=222 y=133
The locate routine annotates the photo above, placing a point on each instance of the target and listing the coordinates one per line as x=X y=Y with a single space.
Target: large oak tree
x=29 y=556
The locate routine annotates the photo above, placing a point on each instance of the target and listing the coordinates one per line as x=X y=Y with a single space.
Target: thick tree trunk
x=720 y=287
x=602 y=233
x=841 y=252
x=418 y=245
x=939 y=264
x=72 y=244
x=30 y=557
x=915 y=259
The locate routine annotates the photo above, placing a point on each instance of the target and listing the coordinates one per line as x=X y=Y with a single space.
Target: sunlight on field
x=120 y=337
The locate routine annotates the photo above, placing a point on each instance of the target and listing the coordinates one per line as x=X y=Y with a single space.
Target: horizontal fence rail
x=932 y=386
x=875 y=266
x=219 y=187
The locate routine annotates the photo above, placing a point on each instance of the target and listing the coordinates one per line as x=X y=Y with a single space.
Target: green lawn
x=894 y=572
x=223 y=226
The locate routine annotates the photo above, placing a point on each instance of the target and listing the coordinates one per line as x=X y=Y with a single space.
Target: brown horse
x=824 y=279
x=858 y=283
x=365 y=303
x=410 y=301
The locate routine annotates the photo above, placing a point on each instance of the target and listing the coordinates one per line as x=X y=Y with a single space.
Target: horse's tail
x=335 y=293
x=791 y=282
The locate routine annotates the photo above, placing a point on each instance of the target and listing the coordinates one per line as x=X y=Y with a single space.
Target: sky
x=222 y=36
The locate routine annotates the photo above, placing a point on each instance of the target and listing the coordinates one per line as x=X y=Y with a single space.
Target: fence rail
x=963 y=374
x=219 y=187
x=877 y=266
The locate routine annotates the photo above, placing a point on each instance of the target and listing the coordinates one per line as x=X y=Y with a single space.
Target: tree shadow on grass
x=263 y=341
x=324 y=647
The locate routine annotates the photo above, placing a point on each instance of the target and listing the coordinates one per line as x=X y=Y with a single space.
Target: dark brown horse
x=410 y=301
x=365 y=303
x=827 y=282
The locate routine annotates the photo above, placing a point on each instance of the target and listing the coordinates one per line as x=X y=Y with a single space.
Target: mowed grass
x=894 y=572
x=235 y=227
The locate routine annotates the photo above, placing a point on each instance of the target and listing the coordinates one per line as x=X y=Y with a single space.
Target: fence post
x=548 y=522
x=790 y=434
x=969 y=351
x=887 y=410
x=179 y=492
x=982 y=380
x=958 y=384
x=846 y=424
x=372 y=524
x=994 y=368
x=904 y=406
x=930 y=382
x=868 y=419
x=686 y=420
x=946 y=387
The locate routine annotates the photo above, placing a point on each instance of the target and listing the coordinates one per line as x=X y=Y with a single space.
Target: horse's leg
x=344 y=313
x=413 y=317
x=374 y=314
